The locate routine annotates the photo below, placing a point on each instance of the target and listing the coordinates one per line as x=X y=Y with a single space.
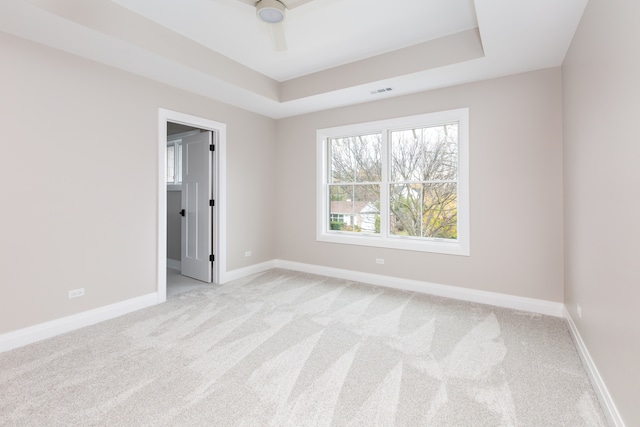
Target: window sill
x=407 y=244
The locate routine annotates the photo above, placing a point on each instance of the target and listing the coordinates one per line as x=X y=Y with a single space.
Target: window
x=400 y=183
x=174 y=163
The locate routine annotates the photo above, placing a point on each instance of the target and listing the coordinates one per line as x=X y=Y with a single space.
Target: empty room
x=320 y=212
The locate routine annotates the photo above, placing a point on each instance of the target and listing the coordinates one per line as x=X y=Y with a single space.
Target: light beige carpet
x=290 y=349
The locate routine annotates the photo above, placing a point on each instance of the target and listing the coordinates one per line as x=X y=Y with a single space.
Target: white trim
x=174 y=264
x=220 y=193
x=460 y=246
x=42 y=331
x=606 y=401
x=545 y=307
x=240 y=273
x=179 y=136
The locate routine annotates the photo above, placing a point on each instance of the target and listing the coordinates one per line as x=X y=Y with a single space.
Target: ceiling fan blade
x=277 y=35
x=249 y=2
x=292 y=4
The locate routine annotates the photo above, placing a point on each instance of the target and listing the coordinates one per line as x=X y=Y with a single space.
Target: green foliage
x=336 y=225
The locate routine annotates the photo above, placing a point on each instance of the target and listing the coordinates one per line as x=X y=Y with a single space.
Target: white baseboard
x=608 y=405
x=52 y=328
x=248 y=271
x=174 y=264
x=549 y=308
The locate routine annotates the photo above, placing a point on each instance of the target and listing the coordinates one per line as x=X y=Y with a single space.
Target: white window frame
x=459 y=246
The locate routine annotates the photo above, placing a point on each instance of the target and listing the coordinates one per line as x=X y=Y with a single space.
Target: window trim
x=460 y=246
x=177 y=169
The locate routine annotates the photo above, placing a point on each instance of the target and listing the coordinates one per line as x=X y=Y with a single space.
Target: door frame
x=219 y=190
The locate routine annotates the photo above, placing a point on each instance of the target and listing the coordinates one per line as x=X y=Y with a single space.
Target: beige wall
x=515 y=186
x=174 y=224
x=80 y=159
x=601 y=79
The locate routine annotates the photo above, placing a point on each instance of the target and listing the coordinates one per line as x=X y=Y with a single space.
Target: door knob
x=182 y=212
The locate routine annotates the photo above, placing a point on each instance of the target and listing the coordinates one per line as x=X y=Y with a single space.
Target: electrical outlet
x=248 y=253
x=379 y=260
x=579 y=309
x=76 y=293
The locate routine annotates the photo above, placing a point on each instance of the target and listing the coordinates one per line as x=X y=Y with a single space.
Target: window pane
x=405 y=204
x=356 y=158
x=171 y=164
x=406 y=155
x=368 y=156
x=342 y=161
x=440 y=153
x=440 y=211
x=341 y=207
x=424 y=210
x=355 y=208
x=425 y=154
x=367 y=208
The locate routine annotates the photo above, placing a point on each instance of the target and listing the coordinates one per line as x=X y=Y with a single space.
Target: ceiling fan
x=273 y=13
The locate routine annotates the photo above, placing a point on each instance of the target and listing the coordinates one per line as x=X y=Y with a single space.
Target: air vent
x=382 y=90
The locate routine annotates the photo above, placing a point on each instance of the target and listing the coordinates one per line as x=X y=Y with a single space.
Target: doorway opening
x=198 y=135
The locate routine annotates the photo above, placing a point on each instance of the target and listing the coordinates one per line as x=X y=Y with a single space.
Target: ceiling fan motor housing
x=270 y=11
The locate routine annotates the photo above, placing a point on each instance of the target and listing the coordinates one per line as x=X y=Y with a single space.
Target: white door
x=196 y=210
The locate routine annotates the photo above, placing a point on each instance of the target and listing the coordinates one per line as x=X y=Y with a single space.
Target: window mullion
x=329 y=181
x=384 y=187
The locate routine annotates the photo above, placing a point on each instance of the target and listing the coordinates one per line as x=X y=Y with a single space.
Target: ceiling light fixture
x=270 y=11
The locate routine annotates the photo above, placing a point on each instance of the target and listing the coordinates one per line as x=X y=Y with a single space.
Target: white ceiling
x=321 y=34
x=339 y=51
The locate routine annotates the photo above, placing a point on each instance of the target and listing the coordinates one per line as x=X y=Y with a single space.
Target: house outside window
x=399 y=183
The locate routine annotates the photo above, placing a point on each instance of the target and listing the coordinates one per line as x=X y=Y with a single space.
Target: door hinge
x=212 y=147
x=212 y=202
x=212 y=258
